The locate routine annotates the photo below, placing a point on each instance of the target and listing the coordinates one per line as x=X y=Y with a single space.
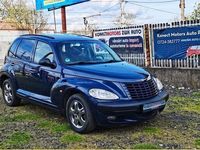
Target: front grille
x=142 y=90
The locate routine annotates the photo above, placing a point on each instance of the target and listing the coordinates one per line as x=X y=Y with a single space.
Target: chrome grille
x=142 y=90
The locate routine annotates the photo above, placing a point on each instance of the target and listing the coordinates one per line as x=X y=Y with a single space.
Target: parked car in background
x=67 y=73
x=193 y=50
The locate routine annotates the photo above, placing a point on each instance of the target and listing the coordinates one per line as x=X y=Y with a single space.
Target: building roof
x=7 y=26
x=12 y=26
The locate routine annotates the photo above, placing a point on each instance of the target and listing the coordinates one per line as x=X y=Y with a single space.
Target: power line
x=108 y=9
x=105 y=10
x=165 y=1
x=160 y=10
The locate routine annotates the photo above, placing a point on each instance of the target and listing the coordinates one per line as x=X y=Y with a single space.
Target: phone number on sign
x=174 y=41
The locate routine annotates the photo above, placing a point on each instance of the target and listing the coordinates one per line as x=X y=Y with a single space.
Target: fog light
x=111 y=117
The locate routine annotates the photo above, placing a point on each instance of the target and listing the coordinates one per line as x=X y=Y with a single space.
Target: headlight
x=159 y=84
x=103 y=94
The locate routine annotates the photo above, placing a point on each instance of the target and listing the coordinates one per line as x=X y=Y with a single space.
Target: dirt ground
x=30 y=126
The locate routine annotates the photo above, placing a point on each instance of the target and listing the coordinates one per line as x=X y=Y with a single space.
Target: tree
x=22 y=15
x=126 y=20
x=196 y=13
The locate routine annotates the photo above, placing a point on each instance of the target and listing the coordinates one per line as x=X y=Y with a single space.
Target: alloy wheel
x=77 y=114
x=8 y=94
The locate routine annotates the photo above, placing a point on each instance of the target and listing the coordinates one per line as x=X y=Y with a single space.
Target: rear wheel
x=9 y=94
x=79 y=114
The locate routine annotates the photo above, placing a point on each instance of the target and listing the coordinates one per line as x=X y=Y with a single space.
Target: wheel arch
x=3 y=77
x=69 y=92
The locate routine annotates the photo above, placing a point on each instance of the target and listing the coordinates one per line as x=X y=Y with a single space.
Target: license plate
x=152 y=106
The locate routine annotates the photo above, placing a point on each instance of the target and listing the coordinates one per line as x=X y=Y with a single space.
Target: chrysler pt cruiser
x=82 y=78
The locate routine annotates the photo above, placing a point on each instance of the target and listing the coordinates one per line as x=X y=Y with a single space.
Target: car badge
x=149 y=78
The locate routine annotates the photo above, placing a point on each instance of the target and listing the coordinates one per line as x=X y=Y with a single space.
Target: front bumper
x=128 y=111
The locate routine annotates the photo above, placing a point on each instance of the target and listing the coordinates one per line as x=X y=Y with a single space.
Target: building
x=8 y=32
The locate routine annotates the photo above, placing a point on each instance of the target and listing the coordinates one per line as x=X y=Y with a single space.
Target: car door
x=44 y=76
x=24 y=56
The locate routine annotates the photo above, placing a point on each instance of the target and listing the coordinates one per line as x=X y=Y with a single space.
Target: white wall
x=8 y=36
x=6 y=39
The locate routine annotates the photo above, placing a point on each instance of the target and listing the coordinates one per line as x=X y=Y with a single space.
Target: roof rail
x=81 y=35
x=40 y=35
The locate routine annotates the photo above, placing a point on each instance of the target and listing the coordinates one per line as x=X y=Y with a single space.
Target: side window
x=43 y=50
x=25 y=49
x=13 y=48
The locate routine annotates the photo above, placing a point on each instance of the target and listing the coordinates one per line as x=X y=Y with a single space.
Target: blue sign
x=128 y=44
x=176 y=43
x=55 y=4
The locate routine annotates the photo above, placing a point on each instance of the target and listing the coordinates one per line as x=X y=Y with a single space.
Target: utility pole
x=64 y=20
x=34 y=22
x=182 y=7
x=196 y=14
x=54 y=16
x=86 y=22
x=122 y=12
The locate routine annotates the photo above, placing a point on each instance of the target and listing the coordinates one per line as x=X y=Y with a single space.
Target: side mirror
x=46 y=62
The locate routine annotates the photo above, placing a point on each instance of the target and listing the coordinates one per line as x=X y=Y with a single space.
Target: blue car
x=82 y=78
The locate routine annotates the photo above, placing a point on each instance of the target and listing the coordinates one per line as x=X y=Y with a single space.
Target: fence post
x=147 y=45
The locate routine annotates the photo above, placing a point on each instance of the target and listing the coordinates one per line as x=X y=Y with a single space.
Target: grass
x=26 y=117
x=196 y=94
x=176 y=127
x=20 y=117
x=16 y=139
x=197 y=143
x=188 y=104
x=192 y=108
x=53 y=126
x=148 y=132
x=145 y=146
x=151 y=130
x=71 y=138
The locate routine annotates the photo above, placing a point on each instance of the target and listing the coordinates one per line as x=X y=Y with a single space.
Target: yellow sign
x=50 y=2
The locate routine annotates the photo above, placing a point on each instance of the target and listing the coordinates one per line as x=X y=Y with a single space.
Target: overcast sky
x=144 y=11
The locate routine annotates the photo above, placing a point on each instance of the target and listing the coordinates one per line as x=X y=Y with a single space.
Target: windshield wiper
x=92 y=62
x=112 y=61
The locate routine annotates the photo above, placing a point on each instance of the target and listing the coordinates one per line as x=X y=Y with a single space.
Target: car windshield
x=87 y=52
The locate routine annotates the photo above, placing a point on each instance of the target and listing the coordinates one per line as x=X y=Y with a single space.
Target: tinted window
x=43 y=50
x=25 y=49
x=13 y=47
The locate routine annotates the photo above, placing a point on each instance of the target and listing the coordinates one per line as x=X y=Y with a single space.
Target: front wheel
x=79 y=114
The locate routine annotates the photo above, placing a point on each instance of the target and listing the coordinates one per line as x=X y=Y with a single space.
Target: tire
x=79 y=114
x=9 y=94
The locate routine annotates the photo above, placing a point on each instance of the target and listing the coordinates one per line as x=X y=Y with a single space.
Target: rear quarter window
x=25 y=49
x=13 y=48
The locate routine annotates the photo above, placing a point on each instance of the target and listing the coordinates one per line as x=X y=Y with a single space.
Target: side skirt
x=37 y=99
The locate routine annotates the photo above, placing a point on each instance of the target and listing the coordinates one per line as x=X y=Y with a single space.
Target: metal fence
x=137 y=59
x=189 y=62
x=192 y=62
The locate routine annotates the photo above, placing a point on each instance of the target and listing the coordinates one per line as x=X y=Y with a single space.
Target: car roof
x=57 y=37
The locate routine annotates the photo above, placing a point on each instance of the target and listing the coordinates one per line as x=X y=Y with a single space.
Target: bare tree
x=22 y=14
x=196 y=13
x=128 y=20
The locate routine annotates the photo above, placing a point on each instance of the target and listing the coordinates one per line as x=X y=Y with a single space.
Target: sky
x=145 y=12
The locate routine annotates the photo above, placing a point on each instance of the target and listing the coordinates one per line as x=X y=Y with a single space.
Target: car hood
x=120 y=72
